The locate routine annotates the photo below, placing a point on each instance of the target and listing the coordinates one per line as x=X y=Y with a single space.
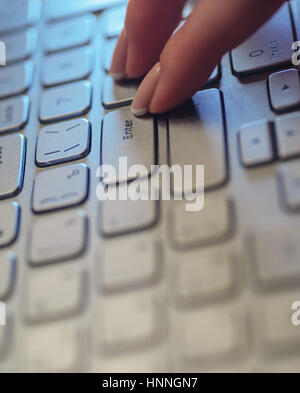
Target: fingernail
x=140 y=105
x=118 y=65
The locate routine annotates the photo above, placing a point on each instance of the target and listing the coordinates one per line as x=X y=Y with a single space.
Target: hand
x=177 y=65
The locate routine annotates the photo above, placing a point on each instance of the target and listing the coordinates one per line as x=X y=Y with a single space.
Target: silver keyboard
x=144 y=285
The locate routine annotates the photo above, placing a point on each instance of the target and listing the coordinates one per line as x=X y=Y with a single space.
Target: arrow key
x=284 y=87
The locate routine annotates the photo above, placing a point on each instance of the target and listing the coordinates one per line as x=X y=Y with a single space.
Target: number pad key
x=17 y=14
x=68 y=66
x=14 y=114
x=58 y=238
x=113 y=21
x=20 y=45
x=63 y=142
x=15 y=79
x=116 y=94
x=9 y=224
x=64 y=102
x=61 y=187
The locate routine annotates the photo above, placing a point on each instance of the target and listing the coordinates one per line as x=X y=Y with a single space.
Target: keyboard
x=145 y=286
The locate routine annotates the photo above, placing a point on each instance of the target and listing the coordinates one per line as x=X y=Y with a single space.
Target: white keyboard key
x=69 y=33
x=58 y=237
x=120 y=93
x=211 y=334
x=60 y=187
x=109 y=51
x=54 y=292
x=199 y=127
x=130 y=320
x=12 y=160
x=7 y=274
x=256 y=144
x=14 y=114
x=20 y=45
x=68 y=66
x=277 y=253
x=140 y=263
x=64 y=102
x=15 y=79
x=125 y=135
x=44 y=343
x=122 y=216
x=9 y=224
x=63 y=142
x=208 y=226
x=56 y=9
x=17 y=14
x=288 y=136
x=269 y=47
x=113 y=21
x=289 y=178
x=284 y=89
x=206 y=276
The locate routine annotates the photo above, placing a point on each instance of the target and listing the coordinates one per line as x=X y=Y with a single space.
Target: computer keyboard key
x=12 y=160
x=64 y=102
x=204 y=277
x=14 y=114
x=17 y=14
x=9 y=224
x=276 y=254
x=284 y=87
x=63 y=142
x=197 y=137
x=287 y=131
x=113 y=21
x=20 y=45
x=256 y=147
x=16 y=79
x=126 y=136
x=109 y=51
x=56 y=9
x=7 y=274
x=116 y=94
x=140 y=264
x=59 y=237
x=130 y=321
x=213 y=224
x=68 y=66
x=54 y=292
x=214 y=78
x=60 y=188
x=269 y=47
x=289 y=179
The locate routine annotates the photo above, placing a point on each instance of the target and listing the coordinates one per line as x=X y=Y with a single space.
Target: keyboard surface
x=145 y=285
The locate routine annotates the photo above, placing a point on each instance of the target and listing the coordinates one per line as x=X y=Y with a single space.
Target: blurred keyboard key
x=215 y=77
x=54 y=292
x=17 y=14
x=15 y=79
x=289 y=178
x=199 y=127
x=116 y=94
x=113 y=21
x=56 y=9
x=284 y=89
x=256 y=144
x=69 y=33
x=58 y=238
x=9 y=225
x=64 y=102
x=12 y=161
x=63 y=142
x=67 y=66
x=213 y=224
x=109 y=51
x=14 y=114
x=140 y=263
x=288 y=136
x=269 y=47
x=60 y=187
x=20 y=45
x=126 y=136
x=7 y=274
x=277 y=254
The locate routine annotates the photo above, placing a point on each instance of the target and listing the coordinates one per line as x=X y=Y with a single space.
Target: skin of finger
x=191 y=54
x=118 y=64
x=149 y=24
